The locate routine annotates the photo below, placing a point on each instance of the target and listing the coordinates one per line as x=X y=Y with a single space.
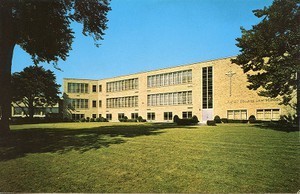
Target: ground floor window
x=267 y=114
x=134 y=115
x=237 y=114
x=109 y=116
x=121 y=116
x=151 y=116
x=187 y=114
x=94 y=115
x=168 y=115
x=77 y=117
x=100 y=115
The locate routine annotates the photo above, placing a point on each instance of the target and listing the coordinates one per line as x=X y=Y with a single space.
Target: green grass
x=122 y=157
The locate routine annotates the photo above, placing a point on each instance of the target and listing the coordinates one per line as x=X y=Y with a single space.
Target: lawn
x=122 y=157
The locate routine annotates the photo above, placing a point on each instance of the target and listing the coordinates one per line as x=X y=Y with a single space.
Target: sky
x=145 y=35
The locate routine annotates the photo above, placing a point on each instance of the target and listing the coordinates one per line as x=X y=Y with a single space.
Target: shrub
x=92 y=120
x=224 y=120
x=195 y=119
x=87 y=119
x=131 y=120
x=82 y=119
x=211 y=122
x=124 y=119
x=252 y=119
x=175 y=119
x=140 y=118
x=217 y=119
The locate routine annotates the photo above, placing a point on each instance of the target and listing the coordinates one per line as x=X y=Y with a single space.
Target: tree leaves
x=270 y=51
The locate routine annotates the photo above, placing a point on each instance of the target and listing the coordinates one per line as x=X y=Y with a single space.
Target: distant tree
x=270 y=51
x=33 y=87
x=42 y=29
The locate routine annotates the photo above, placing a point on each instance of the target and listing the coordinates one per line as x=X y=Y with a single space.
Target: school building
x=204 y=89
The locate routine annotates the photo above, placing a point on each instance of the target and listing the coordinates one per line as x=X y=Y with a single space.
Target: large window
x=175 y=98
x=268 y=114
x=79 y=103
x=168 y=116
x=207 y=87
x=120 y=102
x=151 y=116
x=187 y=114
x=166 y=79
x=237 y=114
x=78 y=88
x=116 y=86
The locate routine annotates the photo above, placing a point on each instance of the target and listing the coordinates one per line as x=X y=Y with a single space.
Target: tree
x=270 y=51
x=42 y=29
x=33 y=87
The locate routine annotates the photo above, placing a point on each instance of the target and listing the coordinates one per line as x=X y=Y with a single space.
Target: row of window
x=128 y=84
x=120 y=102
x=37 y=111
x=166 y=79
x=174 y=98
x=78 y=104
x=261 y=114
x=78 y=88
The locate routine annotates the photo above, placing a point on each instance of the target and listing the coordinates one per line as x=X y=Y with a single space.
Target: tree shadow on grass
x=61 y=140
x=277 y=127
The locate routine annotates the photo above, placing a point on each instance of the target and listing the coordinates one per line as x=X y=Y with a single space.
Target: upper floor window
x=77 y=88
x=116 y=86
x=94 y=88
x=173 y=78
x=100 y=88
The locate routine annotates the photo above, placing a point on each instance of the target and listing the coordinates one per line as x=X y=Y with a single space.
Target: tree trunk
x=7 y=45
x=298 y=99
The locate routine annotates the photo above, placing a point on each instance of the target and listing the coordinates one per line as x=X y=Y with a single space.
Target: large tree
x=42 y=29
x=270 y=51
x=34 y=87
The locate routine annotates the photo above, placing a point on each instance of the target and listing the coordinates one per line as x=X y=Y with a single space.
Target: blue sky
x=146 y=35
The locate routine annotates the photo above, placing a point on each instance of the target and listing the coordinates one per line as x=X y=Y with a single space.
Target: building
x=204 y=89
x=21 y=111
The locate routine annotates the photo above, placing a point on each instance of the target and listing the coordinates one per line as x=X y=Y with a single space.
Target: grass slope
x=114 y=157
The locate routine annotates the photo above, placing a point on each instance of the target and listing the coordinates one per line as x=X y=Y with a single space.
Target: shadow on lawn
x=61 y=140
x=277 y=127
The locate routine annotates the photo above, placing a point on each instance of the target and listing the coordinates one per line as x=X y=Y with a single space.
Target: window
x=78 y=103
x=207 y=87
x=109 y=117
x=77 y=88
x=100 y=103
x=121 y=116
x=268 y=114
x=187 y=115
x=116 y=86
x=237 y=114
x=173 y=78
x=18 y=111
x=100 y=88
x=94 y=89
x=174 y=98
x=150 y=116
x=94 y=116
x=77 y=117
x=100 y=115
x=134 y=115
x=128 y=101
x=94 y=103
x=168 y=115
